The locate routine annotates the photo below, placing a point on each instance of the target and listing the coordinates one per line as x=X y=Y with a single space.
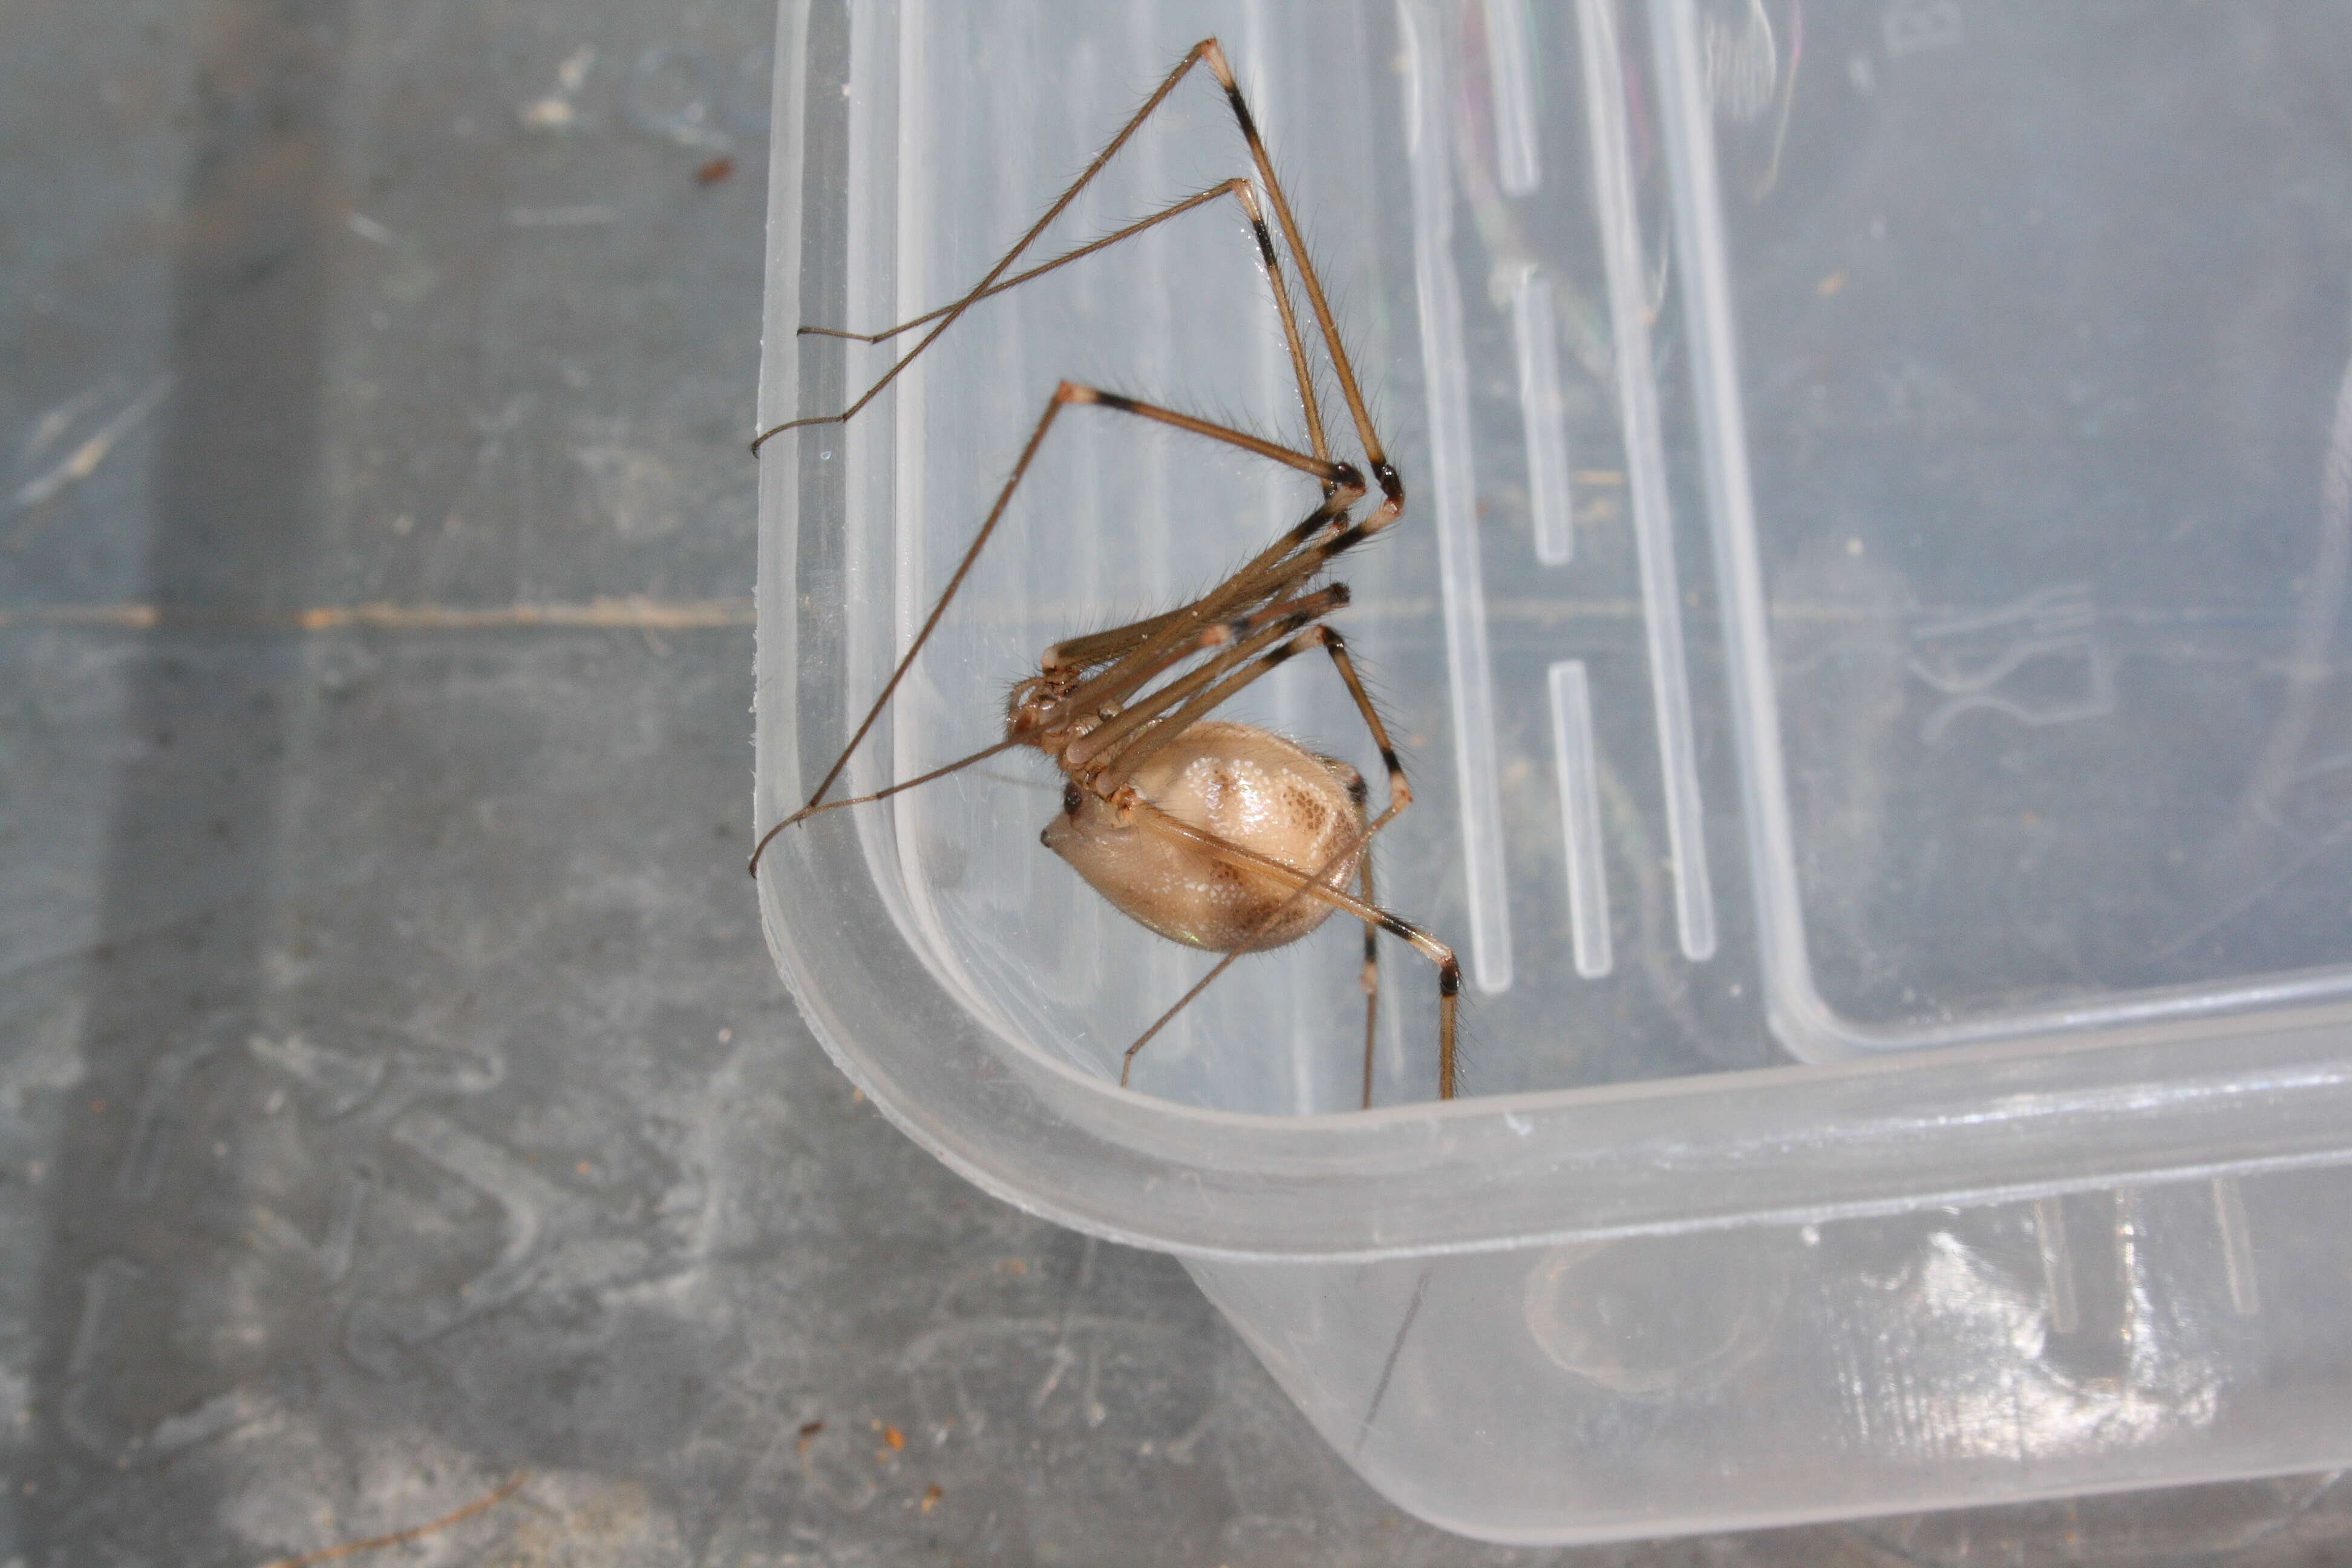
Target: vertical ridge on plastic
x=1645 y=465
x=2057 y=1266
x=1168 y=966
x=1454 y=501
x=776 y=752
x=1072 y=117
x=1510 y=67
x=870 y=531
x=1278 y=485
x=1573 y=755
x=1535 y=333
x=910 y=512
x=1279 y=488
x=2237 y=1246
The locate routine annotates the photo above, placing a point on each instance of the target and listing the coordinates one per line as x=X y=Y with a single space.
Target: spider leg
x=1273 y=576
x=1277 y=574
x=1338 y=479
x=1392 y=486
x=1098 y=648
x=1120 y=748
x=1240 y=189
x=1235 y=187
x=1368 y=978
x=1400 y=797
x=1206 y=50
x=1140 y=730
x=1158 y=96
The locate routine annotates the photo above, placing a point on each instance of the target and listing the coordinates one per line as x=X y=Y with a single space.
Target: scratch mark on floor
x=1388 y=1370
x=84 y=459
x=631 y=614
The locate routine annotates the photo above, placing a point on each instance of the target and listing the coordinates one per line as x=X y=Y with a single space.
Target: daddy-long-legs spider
x=1220 y=834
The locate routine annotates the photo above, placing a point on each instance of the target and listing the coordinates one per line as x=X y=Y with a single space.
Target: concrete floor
x=394 y=1094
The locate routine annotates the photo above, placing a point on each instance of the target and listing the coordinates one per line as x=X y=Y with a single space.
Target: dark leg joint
x=1264 y=240
x=1240 y=111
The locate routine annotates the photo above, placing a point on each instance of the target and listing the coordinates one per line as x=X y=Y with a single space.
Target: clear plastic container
x=1868 y=633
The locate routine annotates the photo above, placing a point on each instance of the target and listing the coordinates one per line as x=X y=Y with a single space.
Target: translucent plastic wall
x=1868 y=638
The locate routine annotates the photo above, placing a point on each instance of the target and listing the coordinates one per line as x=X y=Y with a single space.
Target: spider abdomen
x=1250 y=788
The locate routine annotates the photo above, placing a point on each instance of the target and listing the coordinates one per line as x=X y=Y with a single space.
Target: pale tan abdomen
x=1251 y=789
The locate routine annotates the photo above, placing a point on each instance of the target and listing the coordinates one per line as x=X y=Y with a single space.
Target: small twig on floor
x=413 y=1533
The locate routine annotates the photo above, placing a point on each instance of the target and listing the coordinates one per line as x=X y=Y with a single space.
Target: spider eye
x=1072 y=800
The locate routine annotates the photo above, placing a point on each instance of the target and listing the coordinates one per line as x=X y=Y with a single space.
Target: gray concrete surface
x=394 y=1095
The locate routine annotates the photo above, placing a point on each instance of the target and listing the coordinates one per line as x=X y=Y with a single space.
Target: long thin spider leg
x=1306 y=607
x=1293 y=558
x=1332 y=475
x=1369 y=976
x=1273 y=576
x=1199 y=690
x=1240 y=638
x=1108 y=770
x=1392 y=485
x=1308 y=402
x=1261 y=579
x=1207 y=48
x=1238 y=188
x=1337 y=477
x=1112 y=768
x=1318 y=887
x=1298 y=555
x=1095 y=650
x=1343 y=485
x=1237 y=639
x=813 y=810
x=1234 y=187
x=1399 y=790
x=1400 y=797
x=1101 y=647
x=1111 y=149
x=1053 y=407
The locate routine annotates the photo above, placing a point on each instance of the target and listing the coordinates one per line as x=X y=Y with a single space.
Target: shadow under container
x=1870 y=628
